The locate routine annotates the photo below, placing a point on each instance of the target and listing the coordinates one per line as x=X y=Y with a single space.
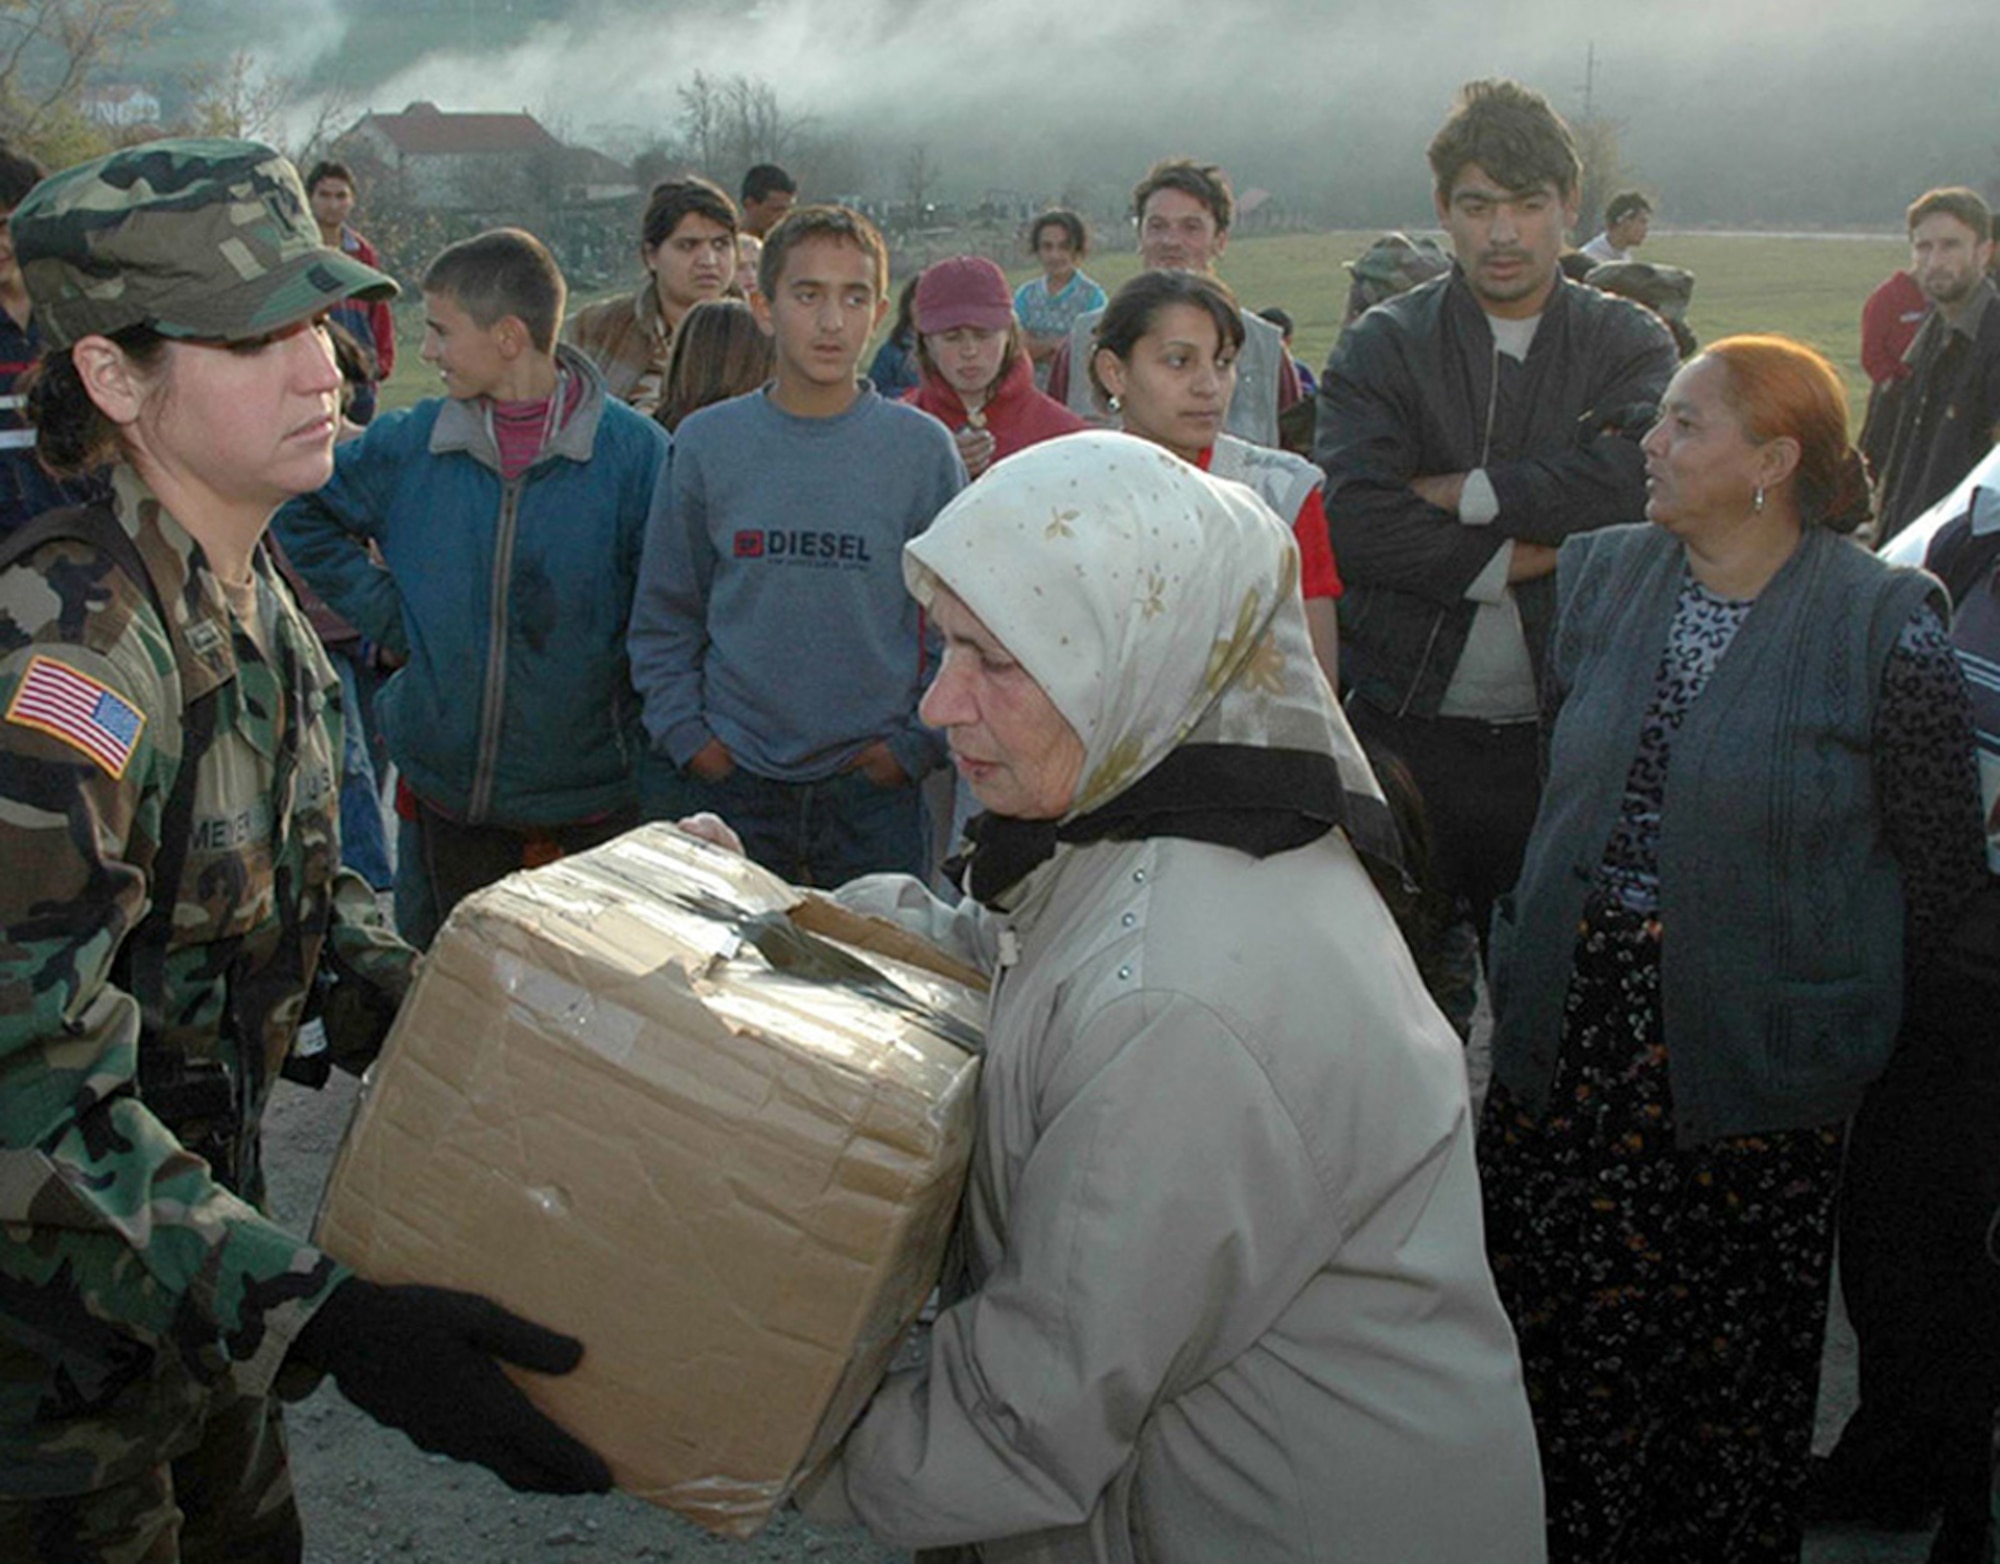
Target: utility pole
x=1590 y=80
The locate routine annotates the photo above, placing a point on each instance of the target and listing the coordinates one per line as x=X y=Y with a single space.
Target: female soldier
x=168 y=797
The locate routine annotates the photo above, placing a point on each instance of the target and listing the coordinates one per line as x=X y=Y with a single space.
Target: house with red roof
x=479 y=162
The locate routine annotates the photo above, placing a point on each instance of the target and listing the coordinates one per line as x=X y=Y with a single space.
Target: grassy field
x=1808 y=287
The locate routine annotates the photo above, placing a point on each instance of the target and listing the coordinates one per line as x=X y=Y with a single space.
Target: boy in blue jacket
x=510 y=514
x=779 y=655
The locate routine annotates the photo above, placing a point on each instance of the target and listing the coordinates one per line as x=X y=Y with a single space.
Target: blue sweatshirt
x=771 y=612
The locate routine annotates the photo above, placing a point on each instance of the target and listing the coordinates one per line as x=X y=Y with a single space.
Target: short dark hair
x=765 y=178
x=1512 y=132
x=1137 y=304
x=331 y=168
x=903 y=330
x=1953 y=201
x=1204 y=181
x=1280 y=317
x=803 y=223
x=1627 y=203
x=674 y=199
x=18 y=175
x=1060 y=217
x=502 y=272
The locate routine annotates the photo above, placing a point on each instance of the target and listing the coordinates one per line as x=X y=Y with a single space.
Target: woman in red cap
x=977 y=376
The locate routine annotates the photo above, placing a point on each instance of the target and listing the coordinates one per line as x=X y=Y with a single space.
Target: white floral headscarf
x=1154 y=604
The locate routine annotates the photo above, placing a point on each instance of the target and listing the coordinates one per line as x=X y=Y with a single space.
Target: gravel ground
x=370 y=1497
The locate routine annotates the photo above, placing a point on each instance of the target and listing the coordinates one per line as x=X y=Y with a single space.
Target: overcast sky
x=1787 y=111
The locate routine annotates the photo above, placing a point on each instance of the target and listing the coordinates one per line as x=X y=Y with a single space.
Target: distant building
x=481 y=163
x=119 y=105
x=591 y=177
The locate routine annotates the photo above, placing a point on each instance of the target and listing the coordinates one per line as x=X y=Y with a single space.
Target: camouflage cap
x=1666 y=290
x=202 y=239
x=1395 y=263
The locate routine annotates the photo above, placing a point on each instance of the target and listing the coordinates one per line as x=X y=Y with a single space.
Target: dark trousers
x=227 y=1501
x=1480 y=783
x=1917 y=1268
x=441 y=861
x=821 y=833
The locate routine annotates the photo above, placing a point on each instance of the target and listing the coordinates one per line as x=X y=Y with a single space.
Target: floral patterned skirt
x=1670 y=1302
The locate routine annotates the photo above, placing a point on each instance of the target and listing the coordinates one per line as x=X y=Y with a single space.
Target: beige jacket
x=1225 y=1292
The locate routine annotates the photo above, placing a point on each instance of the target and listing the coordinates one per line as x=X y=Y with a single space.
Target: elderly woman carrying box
x=1222 y=1292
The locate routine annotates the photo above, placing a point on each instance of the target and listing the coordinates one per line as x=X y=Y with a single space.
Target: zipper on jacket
x=493 y=698
x=1492 y=406
x=1485 y=456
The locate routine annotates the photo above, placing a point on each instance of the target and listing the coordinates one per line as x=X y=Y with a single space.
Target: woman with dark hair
x=1048 y=305
x=975 y=373
x=1760 y=793
x=687 y=243
x=719 y=352
x=1165 y=360
x=173 y=901
x=893 y=370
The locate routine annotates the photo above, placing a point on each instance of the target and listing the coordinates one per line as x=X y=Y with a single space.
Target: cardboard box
x=633 y=1098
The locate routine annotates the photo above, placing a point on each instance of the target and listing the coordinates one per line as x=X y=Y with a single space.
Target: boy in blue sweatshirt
x=778 y=655
x=510 y=513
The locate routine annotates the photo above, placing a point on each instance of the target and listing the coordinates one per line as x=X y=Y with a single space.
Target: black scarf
x=1259 y=801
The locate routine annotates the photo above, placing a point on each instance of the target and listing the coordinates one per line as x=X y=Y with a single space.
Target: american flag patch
x=55 y=699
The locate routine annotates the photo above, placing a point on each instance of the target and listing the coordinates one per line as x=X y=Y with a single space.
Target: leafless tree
x=240 y=99
x=728 y=123
x=701 y=119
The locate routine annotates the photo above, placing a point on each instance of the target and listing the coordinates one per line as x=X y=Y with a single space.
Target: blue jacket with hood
x=508 y=597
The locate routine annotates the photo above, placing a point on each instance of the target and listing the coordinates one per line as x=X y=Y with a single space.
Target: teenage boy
x=688 y=246
x=510 y=514
x=778 y=654
x=1627 y=218
x=331 y=190
x=1183 y=210
x=769 y=193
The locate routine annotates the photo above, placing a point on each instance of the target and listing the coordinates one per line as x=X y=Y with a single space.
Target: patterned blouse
x=1921 y=687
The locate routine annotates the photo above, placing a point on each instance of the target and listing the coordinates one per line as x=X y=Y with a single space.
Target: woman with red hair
x=1760 y=778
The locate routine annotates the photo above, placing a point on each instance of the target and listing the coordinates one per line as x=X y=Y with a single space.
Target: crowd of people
x=1269 y=719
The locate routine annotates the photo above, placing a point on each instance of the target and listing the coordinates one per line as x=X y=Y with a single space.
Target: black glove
x=427 y=1360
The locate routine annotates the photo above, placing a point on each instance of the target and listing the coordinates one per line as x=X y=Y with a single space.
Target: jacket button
x=1129 y=919
x=1138 y=876
x=1124 y=972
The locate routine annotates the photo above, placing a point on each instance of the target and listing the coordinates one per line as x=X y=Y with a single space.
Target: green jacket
x=135 y=1275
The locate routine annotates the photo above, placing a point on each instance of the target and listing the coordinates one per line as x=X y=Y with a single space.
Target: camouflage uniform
x=138 y=1282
